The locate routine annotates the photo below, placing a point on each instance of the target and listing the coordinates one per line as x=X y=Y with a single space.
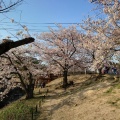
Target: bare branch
x=9 y=7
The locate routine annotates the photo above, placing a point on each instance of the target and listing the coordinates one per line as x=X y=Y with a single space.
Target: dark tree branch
x=115 y=49
x=4 y=47
x=93 y=1
x=30 y=74
x=7 y=8
x=58 y=63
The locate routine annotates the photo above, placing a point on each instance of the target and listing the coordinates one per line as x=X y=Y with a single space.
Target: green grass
x=17 y=111
x=115 y=102
x=118 y=86
x=109 y=90
x=22 y=109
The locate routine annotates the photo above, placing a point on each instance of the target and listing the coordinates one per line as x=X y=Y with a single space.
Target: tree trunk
x=29 y=92
x=100 y=71
x=27 y=88
x=85 y=71
x=65 y=81
x=4 y=47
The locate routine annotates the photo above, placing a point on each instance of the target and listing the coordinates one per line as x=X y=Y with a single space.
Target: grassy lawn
x=23 y=109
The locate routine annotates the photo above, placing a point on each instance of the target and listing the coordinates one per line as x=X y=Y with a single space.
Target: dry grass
x=88 y=99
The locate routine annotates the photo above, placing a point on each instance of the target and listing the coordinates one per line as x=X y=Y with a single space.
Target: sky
x=37 y=15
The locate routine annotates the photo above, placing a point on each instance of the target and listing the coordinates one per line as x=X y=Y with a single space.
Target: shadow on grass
x=92 y=83
x=89 y=84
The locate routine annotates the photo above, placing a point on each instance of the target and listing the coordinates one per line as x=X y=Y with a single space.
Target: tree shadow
x=91 y=83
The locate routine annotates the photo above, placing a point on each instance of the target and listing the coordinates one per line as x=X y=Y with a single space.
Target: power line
x=34 y=27
x=48 y=23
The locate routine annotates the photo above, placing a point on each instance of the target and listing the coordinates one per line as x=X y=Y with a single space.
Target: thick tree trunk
x=27 y=88
x=4 y=47
x=65 y=80
x=29 y=92
x=100 y=71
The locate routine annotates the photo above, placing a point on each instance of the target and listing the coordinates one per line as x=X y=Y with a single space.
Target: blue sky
x=33 y=13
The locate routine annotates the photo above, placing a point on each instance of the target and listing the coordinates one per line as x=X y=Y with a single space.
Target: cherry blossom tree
x=111 y=23
x=63 y=47
x=97 y=41
x=17 y=65
x=104 y=33
x=15 y=51
x=24 y=66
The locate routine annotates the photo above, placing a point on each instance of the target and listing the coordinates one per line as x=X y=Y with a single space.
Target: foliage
x=21 y=66
x=63 y=48
x=104 y=32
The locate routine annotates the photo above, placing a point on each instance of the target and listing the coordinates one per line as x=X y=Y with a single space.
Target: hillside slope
x=88 y=99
